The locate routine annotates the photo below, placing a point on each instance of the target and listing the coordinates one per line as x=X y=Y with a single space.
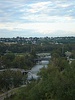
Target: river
x=36 y=69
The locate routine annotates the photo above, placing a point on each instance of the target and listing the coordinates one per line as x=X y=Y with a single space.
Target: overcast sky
x=28 y=18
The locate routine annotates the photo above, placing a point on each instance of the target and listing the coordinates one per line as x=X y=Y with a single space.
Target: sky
x=37 y=18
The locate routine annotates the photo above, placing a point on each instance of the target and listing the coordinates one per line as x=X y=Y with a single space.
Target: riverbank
x=33 y=72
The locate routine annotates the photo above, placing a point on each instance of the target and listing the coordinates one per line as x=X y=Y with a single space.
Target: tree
x=7 y=60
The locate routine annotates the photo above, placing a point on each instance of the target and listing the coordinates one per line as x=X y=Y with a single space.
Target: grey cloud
x=14 y=10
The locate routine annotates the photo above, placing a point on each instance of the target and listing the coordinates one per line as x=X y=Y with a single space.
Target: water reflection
x=36 y=69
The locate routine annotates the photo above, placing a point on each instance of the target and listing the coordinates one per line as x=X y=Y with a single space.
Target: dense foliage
x=23 y=60
x=46 y=44
x=11 y=79
x=57 y=83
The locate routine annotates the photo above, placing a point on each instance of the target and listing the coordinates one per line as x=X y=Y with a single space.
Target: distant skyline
x=37 y=18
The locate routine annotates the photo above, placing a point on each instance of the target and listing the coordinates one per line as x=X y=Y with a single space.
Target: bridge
x=16 y=69
x=43 y=56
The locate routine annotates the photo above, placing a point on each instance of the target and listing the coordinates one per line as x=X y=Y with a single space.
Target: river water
x=33 y=73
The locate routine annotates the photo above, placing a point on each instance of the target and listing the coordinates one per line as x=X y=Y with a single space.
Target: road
x=10 y=92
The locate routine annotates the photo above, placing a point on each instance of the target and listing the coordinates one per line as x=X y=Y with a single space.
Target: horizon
x=40 y=18
x=41 y=37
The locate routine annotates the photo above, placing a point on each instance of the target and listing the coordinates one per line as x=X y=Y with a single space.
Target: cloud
x=44 y=11
x=37 y=7
x=19 y=10
x=44 y=18
x=39 y=16
x=42 y=28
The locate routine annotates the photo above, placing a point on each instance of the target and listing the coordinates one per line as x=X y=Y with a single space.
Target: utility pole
x=62 y=49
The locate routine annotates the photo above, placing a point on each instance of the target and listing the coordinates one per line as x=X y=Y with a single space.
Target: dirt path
x=9 y=93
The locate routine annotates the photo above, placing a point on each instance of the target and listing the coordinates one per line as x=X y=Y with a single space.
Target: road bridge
x=43 y=56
